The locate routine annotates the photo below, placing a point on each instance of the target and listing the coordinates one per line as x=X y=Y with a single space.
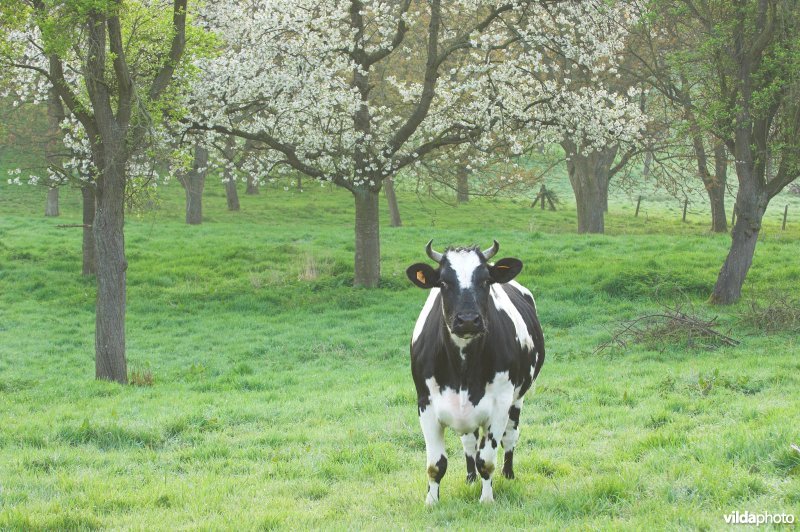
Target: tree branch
x=94 y=74
x=427 y=147
x=287 y=149
x=164 y=75
x=431 y=75
x=399 y=35
x=124 y=81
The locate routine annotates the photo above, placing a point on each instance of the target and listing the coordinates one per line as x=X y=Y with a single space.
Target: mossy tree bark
x=367 y=232
x=88 y=250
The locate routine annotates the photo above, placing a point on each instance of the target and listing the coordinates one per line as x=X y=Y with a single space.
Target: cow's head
x=464 y=277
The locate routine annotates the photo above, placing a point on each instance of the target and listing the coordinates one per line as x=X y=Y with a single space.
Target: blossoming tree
x=110 y=63
x=353 y=92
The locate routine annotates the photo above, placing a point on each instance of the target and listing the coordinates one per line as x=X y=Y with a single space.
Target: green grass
x=283 y=398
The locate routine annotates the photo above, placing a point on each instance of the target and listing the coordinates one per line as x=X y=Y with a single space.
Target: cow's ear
x=423 y=275
x=505 y=269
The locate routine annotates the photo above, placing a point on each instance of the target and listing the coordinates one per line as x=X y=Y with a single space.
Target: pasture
x=281 y=397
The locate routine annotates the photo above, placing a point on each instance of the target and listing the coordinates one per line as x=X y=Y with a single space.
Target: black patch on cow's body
x=508 y=464
x=436 y=473
x=422 y=402
x=485 y=470
x=513 y=415
x=472 y=473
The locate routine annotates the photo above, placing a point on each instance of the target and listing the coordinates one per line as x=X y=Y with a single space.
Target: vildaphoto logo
x=762 y=518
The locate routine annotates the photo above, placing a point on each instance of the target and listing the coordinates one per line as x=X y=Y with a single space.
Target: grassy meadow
x=282 y=398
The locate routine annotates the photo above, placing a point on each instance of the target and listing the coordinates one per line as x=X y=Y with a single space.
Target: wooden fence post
x=785 y=214
x=685 y=206
x=638 y=202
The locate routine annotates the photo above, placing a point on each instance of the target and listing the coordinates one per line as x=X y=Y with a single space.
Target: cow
x=477 y=347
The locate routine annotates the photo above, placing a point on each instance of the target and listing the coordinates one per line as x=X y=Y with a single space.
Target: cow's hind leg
x=510 y=437
x=470 y=443
x=435 y=451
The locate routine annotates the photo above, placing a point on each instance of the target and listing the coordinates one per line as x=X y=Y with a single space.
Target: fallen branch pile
x=780 y=314
x=669 y=327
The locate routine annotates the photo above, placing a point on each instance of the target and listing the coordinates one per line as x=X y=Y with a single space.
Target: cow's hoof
x=508 y=473
x=430 y=500
x=471 y=477
x=487 y=498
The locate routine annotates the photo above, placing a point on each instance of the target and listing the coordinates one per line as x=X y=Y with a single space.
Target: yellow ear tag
x=503 y=267
x=420 y=276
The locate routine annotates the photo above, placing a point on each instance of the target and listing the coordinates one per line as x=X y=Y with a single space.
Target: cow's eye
x=443 y=285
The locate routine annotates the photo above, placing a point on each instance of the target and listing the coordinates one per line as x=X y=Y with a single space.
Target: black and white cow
x=476 y=349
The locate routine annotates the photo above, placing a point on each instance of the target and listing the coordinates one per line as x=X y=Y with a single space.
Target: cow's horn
x=434 y=255
x=489 y=253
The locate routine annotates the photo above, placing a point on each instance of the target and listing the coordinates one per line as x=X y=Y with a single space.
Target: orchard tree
x=194 y=181
x=661 y=62
x=610 y=99
x=67 y=157
x=745 y=71
x=353 y=92
x=111 y=63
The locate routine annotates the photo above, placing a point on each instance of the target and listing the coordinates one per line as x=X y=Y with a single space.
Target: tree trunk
x=462 y=184
x=193 y=183
x=89 y=258
x=749 y=213
x=252 y=186
x=589 y=175
x=51 y=209
x=391 y=199
x=55 y=147
x=232 y=195
x=229 y=176
x=603 y=179
x=648 y=162
x=368 y=246
x=110 y=363
x=716 y=197
x=714 y=185
x=716 y=190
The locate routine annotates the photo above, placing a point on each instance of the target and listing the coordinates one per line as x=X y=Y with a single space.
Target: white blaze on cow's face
x=464 y=280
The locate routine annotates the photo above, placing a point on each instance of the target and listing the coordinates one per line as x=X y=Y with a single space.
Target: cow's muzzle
x=468 y=324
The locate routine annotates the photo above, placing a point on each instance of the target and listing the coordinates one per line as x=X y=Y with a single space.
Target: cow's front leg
x=435 y=450
x=487 y=454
